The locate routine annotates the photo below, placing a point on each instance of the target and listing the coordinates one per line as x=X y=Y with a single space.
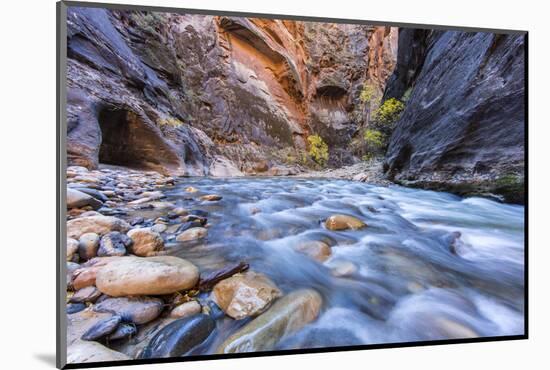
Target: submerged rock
x=211 y=197
x=343 y=222
x=113 y=244
x=245 y=294
x=179 y=337
x=318 y=250
x=146 y=242
x=146 y=276
x=286 y=316
x=138 y=310
x=95 y=224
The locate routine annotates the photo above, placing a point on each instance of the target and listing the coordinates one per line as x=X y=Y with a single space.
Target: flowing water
x=430 y=265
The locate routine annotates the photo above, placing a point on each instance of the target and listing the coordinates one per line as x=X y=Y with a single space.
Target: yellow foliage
x=388 y=113
x=169 y=121
x=318 y=149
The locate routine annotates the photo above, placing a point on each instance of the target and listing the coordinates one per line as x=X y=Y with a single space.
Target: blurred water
x=430 y=265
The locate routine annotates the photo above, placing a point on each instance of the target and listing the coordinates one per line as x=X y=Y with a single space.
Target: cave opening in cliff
x=118 y=142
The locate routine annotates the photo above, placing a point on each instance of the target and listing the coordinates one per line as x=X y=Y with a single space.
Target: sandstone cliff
x=463 y=126
x=197 y=95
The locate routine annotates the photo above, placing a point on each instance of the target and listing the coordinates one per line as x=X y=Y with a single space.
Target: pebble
x=88 y=245
x=343 y=222
x=145 y=242
x=192 y=234
x=186 y=309
x=113 y=244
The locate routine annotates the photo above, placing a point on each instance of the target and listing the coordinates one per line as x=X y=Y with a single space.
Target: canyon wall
x=209 y=95
x=463 y=126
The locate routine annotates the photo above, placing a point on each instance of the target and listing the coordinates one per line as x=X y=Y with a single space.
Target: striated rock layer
x=463 y=126
x=226 y=96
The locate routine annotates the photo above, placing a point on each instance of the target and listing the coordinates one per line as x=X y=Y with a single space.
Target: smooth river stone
x=211 y=197
x=84 y=352
x=95 y=224
x=146 y=242
x=123 y=331
x=344 y=222
x=244 y=295
x=102 y=328
x=87 y=294
x=88 y=246
x=179 y=337
x=85 y=275
x=78 y=199
x=139 y=310
x=72 y=249
x=113 y=244
x=186 y=309
x=146 y=276
x=192 y=234
x=287 y=315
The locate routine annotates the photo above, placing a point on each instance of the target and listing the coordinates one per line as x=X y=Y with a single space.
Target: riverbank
x=162 y=266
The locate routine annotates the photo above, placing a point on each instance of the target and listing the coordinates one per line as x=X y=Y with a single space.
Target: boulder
x=192 y=234
x=245 y=294
x=113 y=244
x=343 y=222
x=179 y=337
x=88 y=245
x=315 y=249
x=139 y=310
x=186 y=309
x=146 y=242
x=287 y=315
x=146 y=276
x=78 y=199
x=95 y=224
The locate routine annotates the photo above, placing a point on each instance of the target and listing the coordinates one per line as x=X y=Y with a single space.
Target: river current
x=429 y=265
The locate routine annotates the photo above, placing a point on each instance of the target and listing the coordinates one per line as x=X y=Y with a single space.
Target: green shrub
x=374 y=138
x=368 y=93
x=388 y=113
x=318 y=149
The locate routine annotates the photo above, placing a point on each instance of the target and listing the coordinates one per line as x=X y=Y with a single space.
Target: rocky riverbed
x=161 y=266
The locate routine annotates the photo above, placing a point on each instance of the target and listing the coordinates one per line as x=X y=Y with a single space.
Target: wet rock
x=94 y=193
x=186 y=309
x=123 y=331
x=136 y=221
x=343 y=222
x=95 y=224
x=343 y=268
x=211 y=197
x=139 y=310
x=102 y=328
x=179 y=337
x=315 y=249
x=74 y=308
x=113 y=244
x=85 y=295
x=189 y=225
x=78 y=199
x=159 y=228
x=194 y=220
x=178 y=211
x=71 y=268
x=145 y=242
x=192 y=234
x=245 y=294
x=72 y=249
x=287 y=315
x=199 y=212
x=146 y=276
x=88 y=245
x=191 y=189
x=84 y=352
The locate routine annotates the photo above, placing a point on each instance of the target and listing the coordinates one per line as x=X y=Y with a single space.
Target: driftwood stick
x=207 y=283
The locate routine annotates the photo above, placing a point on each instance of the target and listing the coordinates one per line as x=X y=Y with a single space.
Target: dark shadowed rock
x=123 y=331
x=463 y=126
x=75 y=307
x=179 y=337
x=102 y=328
x=114 y=244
